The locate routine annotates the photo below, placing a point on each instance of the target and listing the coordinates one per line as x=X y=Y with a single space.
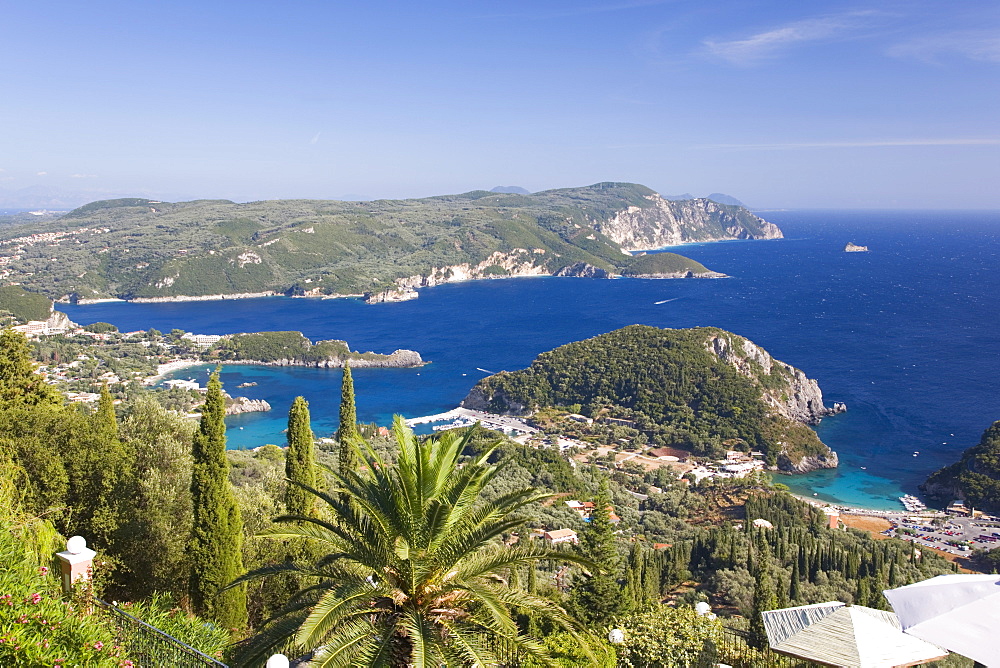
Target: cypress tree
x=217 y=531
x=794 y=586
x=19 y=384
x=764 y=598
x=598 y=599
x=348 y=429
x=300 y=460
x=104 y=422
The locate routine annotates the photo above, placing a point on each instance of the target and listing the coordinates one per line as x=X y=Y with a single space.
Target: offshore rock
x=244 y=405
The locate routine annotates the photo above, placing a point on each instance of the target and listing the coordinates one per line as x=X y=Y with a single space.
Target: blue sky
x=781 y=104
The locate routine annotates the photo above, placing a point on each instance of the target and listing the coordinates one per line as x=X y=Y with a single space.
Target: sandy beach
x=163 y=369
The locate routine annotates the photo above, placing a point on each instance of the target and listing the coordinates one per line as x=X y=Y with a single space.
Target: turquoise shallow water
x=906 y=335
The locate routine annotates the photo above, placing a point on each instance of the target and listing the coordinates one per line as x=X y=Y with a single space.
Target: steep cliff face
x=59 y=320
x=582 y=270
x=786 y=389
x=666 y=223
x=807 y=463
x=516 y=262
x=480 y=398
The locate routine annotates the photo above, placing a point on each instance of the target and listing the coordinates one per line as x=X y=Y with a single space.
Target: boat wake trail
x=666 y=300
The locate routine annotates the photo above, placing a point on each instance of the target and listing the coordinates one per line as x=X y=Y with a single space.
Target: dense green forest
x=667 y=382
x=975 y=477
x=133 y=248
x=18 y=304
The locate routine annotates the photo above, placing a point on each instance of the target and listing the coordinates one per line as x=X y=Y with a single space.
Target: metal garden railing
x=737 y=649
x=149 y=647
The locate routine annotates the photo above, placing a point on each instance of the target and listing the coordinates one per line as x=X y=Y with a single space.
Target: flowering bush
x=38 y=628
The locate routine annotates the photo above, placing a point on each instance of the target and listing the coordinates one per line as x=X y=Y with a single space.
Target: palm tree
x=415 y=573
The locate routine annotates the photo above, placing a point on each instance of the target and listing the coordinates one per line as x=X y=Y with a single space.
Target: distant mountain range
x=510 y=190
x=721 y=198
x=141 y=248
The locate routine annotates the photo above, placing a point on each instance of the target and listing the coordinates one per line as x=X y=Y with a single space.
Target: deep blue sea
x=907 y=335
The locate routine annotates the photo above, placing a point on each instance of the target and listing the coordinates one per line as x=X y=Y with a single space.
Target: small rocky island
x=239 y=405
x=854 y=248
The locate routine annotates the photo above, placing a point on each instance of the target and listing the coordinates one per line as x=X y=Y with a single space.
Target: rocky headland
x=671 y=386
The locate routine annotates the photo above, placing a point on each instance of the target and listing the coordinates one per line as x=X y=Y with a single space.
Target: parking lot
x=957 y=535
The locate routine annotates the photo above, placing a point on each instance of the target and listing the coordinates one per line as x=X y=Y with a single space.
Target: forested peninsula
x=294 y=349
x=145 y=249
x=704 y=390
x=974 y=478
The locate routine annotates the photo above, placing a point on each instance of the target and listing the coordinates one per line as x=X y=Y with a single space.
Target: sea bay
x=906 y=335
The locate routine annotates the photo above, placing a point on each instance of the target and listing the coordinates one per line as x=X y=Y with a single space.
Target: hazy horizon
x=850 y=105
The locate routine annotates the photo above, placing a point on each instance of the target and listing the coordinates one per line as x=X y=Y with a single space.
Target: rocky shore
x=199 y=298
x=682 y=274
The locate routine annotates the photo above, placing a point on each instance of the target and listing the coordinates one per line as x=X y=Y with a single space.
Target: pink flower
x=44 y=570
x=98 y=645
x=35 y=598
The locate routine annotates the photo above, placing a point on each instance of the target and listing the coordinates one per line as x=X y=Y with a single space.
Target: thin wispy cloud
x=83 y=176
x=875 y=143
x=771 y=43
x=977 y=45
x=41 y=173
x=315 y=138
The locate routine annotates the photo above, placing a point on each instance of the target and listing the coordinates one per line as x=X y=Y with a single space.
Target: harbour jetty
x=464 y=417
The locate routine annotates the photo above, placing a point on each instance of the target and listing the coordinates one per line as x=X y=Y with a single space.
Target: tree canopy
x=415 y=570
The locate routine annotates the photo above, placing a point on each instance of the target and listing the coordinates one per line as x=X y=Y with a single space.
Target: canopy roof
x=850 y=636
x=960 y=612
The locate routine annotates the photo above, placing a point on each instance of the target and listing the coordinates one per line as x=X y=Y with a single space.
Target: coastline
x=272 y=293
x=170 y=367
